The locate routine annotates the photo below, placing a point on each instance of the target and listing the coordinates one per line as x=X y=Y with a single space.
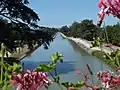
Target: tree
x=17 y=11
x=84 y=29
x=113 y=32
x=3 y=28
x=65 y=30
x=74 y=29
x=88 y=29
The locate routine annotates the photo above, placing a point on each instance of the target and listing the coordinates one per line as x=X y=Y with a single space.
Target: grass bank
x=102 y=56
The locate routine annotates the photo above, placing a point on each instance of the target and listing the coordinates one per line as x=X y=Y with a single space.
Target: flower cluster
x=110 y=80
x=30 y=80
x=109 y=7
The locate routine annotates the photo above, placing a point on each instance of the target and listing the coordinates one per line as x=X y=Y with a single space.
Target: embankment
x=95 y=51
x=86 y=45
x=28 y=53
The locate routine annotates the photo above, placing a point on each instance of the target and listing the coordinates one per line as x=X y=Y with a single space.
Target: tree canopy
x=18 y=11
x=113 y=32
x=84 y=29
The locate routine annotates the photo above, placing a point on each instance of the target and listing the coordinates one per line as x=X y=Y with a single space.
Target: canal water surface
x=75 y=58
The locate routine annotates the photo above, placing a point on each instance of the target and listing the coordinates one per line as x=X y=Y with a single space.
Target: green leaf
x=57 y=57
x=9 y=76
x=43 y=67
x=1 y=84
x=5 y=87
x=57 y=79
x=67 y=84
x=61 y=60
x=79 y=84
x=9 y=69
x=52 y=66
x=54 y=58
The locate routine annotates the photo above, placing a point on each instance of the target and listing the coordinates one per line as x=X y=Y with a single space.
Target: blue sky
x=56 y=13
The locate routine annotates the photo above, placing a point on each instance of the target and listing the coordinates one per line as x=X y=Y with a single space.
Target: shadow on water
x=78 y=49
x=62 y=68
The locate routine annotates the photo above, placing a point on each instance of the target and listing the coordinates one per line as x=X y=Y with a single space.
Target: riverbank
x=86 y=45
x=95 y=51
x=29 y=52
x=21 y=53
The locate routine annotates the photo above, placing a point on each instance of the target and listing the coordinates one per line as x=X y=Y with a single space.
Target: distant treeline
x=87 y=30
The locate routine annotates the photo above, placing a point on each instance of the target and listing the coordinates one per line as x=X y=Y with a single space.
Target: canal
x=74 y=58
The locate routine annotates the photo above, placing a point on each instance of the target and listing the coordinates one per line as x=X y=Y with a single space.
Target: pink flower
x=13 y=82
x=115 y=80
x=106 y=79
x=118 y=70
x=78 y=72
x=110 y=80
x=30 y=80
x=109 y=7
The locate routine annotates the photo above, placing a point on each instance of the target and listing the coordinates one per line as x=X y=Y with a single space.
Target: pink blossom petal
x=78 y=72
x=19 y=87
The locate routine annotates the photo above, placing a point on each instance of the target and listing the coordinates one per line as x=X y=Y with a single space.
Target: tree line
x=86 y=29
x=113 y=33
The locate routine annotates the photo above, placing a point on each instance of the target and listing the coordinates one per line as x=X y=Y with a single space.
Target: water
x=74 y=58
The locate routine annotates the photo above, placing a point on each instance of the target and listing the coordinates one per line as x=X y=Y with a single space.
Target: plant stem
x=57 y=83
x=2 y=59
x=52 y=76
x=117 y=60
x=106 y=33
x=5 y=80
x=55 y=72
x=61 y=88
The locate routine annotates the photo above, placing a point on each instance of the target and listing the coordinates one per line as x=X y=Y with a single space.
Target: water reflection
x=78 y=49
x=62 y=68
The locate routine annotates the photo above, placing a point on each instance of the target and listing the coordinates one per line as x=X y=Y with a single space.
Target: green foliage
x=57 y=79
x=77 y=85
x=7 y=70
x=57 y=57
x=14 y=10
x=113 y=33
x=97 y=42
x=65 y=30
x=43 y=67
x=7 y=74
x=84 y=29
x=87 y=30
x=112 y=59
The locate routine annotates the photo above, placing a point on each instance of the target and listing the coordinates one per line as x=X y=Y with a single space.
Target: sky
x=56 y=13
